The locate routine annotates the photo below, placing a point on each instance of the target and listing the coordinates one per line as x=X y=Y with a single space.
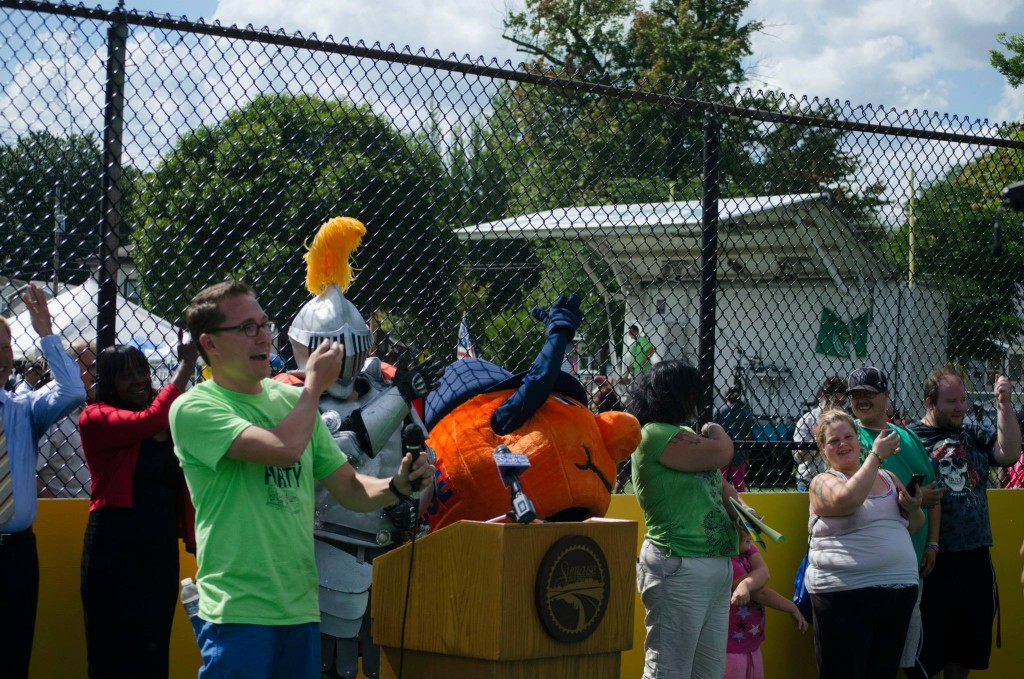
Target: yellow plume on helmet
x=327 y=259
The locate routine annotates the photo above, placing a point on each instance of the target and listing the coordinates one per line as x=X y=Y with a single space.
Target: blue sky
x=924 y=55
x=903 y=54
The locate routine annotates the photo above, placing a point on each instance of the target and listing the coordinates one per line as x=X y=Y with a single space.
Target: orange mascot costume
x=541 y=413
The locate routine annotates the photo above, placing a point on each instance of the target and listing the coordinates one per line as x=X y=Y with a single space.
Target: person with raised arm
x=23 y=421
x=251 y=449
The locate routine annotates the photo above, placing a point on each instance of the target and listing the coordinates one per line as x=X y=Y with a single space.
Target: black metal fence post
x=113 y=129
x=709 y=263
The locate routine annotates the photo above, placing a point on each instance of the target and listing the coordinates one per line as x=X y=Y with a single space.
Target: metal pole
x=113 y=128
x=709 y=264
x=58 y=228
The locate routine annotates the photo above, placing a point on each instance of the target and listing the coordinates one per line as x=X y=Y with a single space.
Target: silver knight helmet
x=329 y=316
x=332 y=318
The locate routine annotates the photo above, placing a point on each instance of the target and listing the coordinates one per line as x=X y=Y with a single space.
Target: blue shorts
x=236 y=651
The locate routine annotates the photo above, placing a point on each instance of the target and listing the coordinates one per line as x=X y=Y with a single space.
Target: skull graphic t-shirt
x=961 y=458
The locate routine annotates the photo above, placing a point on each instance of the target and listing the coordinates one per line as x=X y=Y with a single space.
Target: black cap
x=867 y=379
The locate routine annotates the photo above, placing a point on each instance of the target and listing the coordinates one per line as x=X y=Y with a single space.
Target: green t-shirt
x=638 y=352
x=683 y=510
x=912 y=459
x=254 y=523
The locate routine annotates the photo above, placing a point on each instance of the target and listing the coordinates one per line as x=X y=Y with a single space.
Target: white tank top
x=869 y=548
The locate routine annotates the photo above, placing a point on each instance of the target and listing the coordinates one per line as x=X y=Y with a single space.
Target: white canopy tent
x=74 y=314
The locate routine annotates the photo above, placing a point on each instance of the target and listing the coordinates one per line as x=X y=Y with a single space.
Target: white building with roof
x=791 y=272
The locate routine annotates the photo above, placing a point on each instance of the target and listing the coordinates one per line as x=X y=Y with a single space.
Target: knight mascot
x=368 y=411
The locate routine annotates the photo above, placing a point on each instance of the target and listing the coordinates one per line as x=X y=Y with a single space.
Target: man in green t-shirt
x=251 y=449
x=641 y=352
x=868 y=389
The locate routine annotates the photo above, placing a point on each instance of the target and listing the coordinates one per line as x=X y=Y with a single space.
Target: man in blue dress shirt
x=23 y=420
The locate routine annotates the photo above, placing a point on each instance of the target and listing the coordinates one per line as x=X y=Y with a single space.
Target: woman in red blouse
x=137 y=512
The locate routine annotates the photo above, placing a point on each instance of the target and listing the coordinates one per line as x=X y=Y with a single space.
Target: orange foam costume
x=541 y=413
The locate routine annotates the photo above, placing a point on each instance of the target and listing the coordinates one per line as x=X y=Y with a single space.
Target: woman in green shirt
x=684 y=572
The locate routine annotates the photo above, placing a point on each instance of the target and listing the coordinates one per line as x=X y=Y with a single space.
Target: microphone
x=412 y=443
x=510 y=466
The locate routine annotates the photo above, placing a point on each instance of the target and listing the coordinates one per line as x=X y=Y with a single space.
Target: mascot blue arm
x=562 y=321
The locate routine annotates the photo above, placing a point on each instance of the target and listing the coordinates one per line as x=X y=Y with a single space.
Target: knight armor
x=368 y=429
x=374 y=418
x=364 y=414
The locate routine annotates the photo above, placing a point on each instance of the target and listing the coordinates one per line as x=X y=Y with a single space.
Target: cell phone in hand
x=914 y=482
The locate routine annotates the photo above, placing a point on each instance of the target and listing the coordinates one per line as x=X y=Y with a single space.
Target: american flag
x=467 y=345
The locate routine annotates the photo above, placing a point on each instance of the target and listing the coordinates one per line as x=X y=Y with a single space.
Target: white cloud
x=58 y=90
x=1011 y=104
x=898 y=54
x=895 y=53
x=461 y=27
x=177 y=82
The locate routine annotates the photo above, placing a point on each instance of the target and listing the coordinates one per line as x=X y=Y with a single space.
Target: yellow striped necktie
x=6 y=485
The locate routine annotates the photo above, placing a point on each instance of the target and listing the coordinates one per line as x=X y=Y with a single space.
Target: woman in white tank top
x=863 y=571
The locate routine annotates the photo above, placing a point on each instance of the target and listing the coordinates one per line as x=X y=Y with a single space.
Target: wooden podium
x=477 y=594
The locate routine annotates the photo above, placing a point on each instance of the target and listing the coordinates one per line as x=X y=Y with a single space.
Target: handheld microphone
x=412 y=443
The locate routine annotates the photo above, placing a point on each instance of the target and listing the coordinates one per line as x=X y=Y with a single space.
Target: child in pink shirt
x=746 y=612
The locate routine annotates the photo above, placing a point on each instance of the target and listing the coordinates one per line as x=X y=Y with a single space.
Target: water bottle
x=190 y=597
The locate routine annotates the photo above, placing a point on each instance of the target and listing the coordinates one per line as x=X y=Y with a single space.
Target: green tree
x=511 y=338
x=796 y=158
x=39 y=173
x=953 y=236
x=692 y=40
x=682 y=47
x=1011 y=65
x=241 y=197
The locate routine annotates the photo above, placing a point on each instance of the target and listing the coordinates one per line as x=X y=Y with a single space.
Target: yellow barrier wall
x=59 y=651
x=787 y=653
x=59 y=648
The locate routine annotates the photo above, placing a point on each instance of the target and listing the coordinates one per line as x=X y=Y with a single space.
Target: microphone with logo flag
x=510 y=466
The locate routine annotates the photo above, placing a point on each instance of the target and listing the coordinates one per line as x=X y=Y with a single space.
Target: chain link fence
x=771 y=240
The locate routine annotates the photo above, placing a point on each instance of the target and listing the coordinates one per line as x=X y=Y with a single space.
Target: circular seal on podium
x=572 y=588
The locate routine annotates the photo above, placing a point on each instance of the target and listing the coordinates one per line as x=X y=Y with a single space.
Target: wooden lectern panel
x=452 y=574
x=472 y=592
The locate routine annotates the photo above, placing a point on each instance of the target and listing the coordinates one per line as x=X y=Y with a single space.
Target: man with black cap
x=868 y=390
x=958 y=603
x=810 y=463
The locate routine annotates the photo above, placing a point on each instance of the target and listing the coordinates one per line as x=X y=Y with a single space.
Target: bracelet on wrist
x=934 y=546
x=397 y=493
x=877 y=456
